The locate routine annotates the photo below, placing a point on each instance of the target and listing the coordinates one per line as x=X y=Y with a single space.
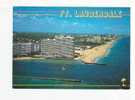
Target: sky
x=56 y=20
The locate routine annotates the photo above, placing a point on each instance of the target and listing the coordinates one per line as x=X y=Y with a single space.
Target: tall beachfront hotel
x=21 y=49
x=25 y=49
x=59 y=47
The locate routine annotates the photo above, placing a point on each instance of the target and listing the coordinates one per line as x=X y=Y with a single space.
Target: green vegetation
x=81 y=40
x=29 y=37
x=93 y=40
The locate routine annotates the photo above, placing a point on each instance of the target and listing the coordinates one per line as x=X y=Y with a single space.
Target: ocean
x=112 y=68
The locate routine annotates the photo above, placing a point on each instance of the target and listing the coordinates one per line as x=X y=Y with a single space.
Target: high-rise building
x=59 y=47
x=21 y=49
x=36 y=47
x=24 y=49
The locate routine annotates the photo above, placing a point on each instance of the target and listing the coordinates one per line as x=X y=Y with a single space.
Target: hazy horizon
x=48 y=19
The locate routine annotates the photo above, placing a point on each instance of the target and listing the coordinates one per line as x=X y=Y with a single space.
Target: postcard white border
x=6 y=91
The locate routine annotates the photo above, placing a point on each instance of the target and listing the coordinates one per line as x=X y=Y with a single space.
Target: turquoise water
x=117 y=67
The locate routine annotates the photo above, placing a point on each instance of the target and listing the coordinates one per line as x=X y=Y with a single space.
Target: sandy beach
x=87 y=56
x=90 y=55
x=26 y=58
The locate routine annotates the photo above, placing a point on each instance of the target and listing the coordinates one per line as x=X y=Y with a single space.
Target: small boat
x=63 y=68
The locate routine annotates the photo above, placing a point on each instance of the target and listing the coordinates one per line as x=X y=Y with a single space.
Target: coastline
x=88 y=56
x=95 y=54
x=107 y=52
x=26 y=58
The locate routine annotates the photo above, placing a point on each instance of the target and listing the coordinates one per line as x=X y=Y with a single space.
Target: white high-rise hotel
x=24 y=49
x=20 y=49
x=59 y=47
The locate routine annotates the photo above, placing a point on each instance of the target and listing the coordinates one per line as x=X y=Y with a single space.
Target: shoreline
x=26 y=58
x=93 y=55
x=88 y=56
x=107 y=52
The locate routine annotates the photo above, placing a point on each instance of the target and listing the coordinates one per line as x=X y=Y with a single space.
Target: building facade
x=59 y=47
x=36 y=48
x=22 y=49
